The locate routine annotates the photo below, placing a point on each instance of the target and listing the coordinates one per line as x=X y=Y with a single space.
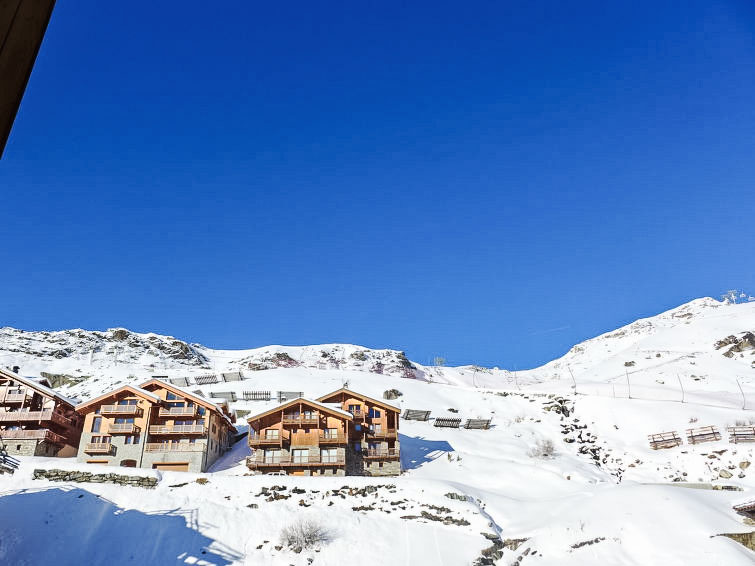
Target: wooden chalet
x=373 y=434
x=342 y=433
x=34 y=419
x=156 y=425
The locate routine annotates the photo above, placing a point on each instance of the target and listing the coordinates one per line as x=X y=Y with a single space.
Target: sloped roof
x=360 y=396
x=316 y=404
x=193 y=396
x=39 y=387
x=128 y=388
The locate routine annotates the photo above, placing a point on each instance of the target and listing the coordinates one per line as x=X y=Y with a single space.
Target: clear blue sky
x=490 y=182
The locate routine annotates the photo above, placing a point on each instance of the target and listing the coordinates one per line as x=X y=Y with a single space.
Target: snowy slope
x=602 y=497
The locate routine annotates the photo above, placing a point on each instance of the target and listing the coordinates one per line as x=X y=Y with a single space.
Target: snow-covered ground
x=602 y=497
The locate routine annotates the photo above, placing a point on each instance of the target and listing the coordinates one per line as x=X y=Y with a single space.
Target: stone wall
x=88 y=477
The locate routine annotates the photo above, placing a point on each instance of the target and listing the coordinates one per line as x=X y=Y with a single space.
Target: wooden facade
x=156 y=425
x=342 y=433
x=35 y=420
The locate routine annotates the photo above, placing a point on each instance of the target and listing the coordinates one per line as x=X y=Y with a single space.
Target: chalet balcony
x=178 y=429
x=358 y=415
x=175 y=447
x=332 y=437
x=98 y=448
x=122 y=428
x=14 y=398
x=168 y=412
x=381 y=454
x=382 y=433
x=263 y=440
x=120 y=410
x=32 y=434
x=34 y=416
x=259 y=462
x=301 y=420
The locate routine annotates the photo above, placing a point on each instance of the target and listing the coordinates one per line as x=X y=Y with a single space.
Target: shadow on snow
x=61 y=526
x=416 y=451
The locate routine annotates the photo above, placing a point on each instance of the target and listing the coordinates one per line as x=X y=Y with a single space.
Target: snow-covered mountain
x=564 y=476
x=705 y=344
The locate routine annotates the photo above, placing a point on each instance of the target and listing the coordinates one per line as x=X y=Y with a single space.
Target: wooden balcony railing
x=10 y=416
x=14 y=397
x=300 y=420
x=34 y=416
x=175 y=447
x=32 y=434
x=332 y=437
x=380 y=454
x=120 y=410
x=178 y=429
x=122 y=428
x=263 y=440
x=258 y=462
x=382 y=433
x=167 y=412
x=98 y=448
x=358 y=415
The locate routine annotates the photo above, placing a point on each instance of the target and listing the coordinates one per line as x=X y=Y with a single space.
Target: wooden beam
x=22 y=27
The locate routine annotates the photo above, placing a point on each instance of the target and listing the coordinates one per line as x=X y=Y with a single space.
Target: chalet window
x=329 y=455
x=374 y=446
x=374 y=413
x=300 y=456
x=308 y=415
x=376 y=428
x=272 y=456
x=127 y=402
x=355 y=409
x=124 y=420
x=357 y=447
x=200 y=411
x=331 y=433
x=96 y=424
x=172 y=397
x=272 y=434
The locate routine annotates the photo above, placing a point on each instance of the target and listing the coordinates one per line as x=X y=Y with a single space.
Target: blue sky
x=490 y=182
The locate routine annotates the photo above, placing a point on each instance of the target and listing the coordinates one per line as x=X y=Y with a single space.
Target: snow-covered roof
x=36 y=385
x=325 y=406
x=193 y=396
x=130 y=388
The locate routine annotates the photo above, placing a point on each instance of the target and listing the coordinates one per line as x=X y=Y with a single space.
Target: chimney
x=16 y=369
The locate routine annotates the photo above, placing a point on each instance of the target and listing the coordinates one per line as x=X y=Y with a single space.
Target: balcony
x=120 y=410
x=259 y=462
x=168 y=412
x=301 y=420
x=122 y=428
x=382 y=433
x=35 y=416
x=381 y=454
x=175 y=447
x=32 y=434
x=178 y=429
x=332 y=437
x=358 y=415
x=263 y=440
x=98 y=448
x=14 y=398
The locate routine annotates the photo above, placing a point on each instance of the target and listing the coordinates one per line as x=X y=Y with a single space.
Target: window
x=272 y=456
x=127 y=402
x=329 y=455
x=96 y=424
x=300 y=456
x=374 y=413
x=331 y=433
x=200 y=411
x=171 y=396
x=357 y=447
x=376 y=428
x=355 y=409
x=374 y=446
x=272 y=434
x=124 y=420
